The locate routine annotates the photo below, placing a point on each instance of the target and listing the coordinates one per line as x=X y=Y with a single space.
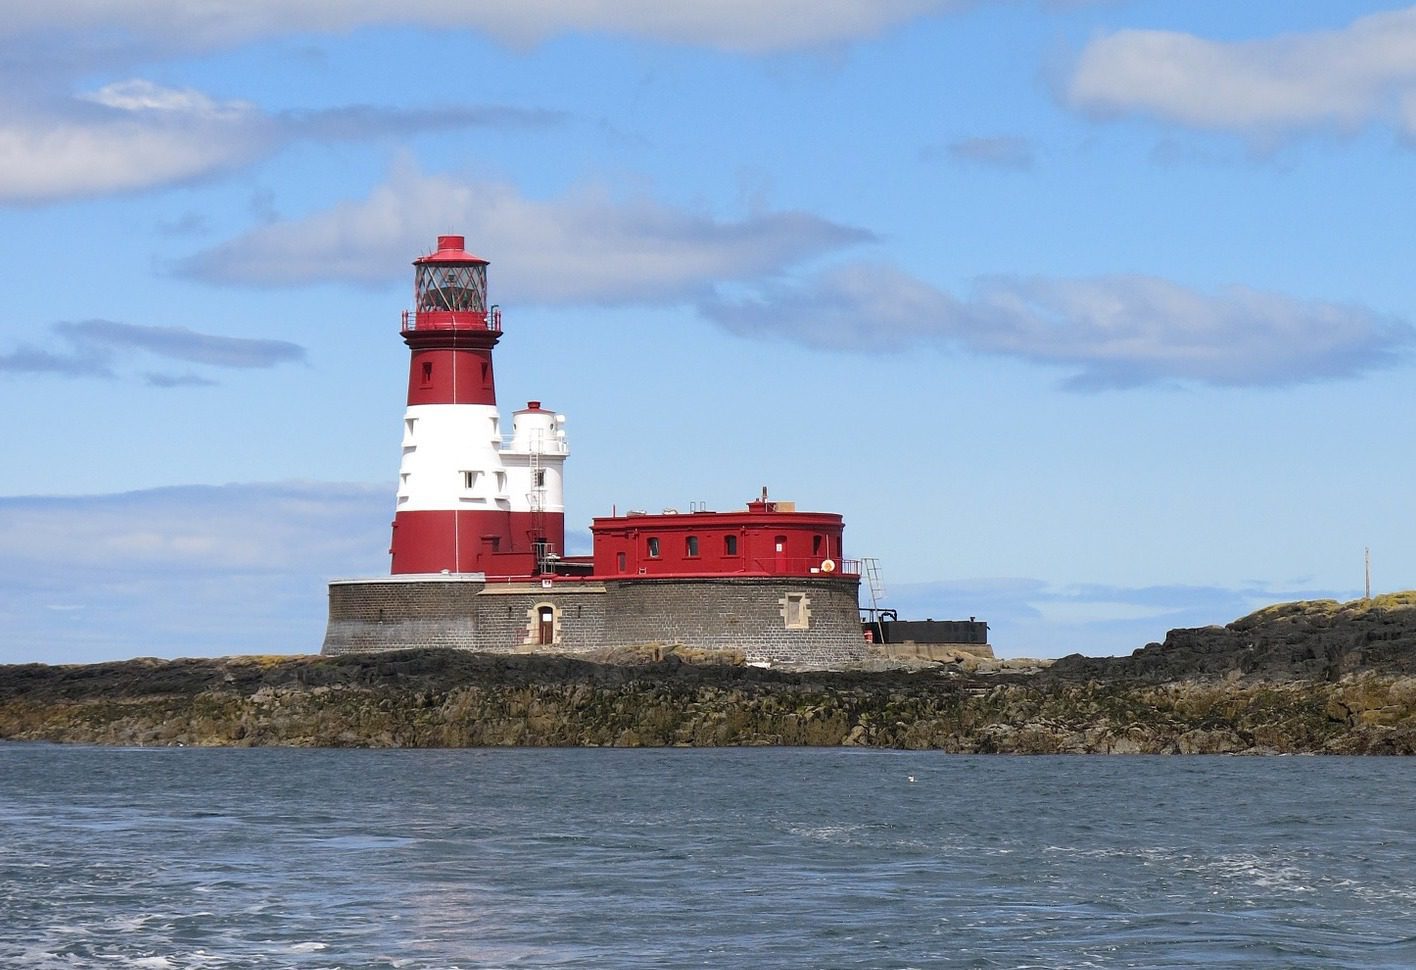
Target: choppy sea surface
x=175 y=858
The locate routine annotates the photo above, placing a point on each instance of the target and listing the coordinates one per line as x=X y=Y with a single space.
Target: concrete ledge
x=413 y=578
x=536 y=589
x=945 y=652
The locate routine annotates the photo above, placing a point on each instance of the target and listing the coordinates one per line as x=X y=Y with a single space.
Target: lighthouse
x=479 y=559
x=470 y=500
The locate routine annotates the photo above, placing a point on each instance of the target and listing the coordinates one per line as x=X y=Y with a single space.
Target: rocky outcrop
x=1317 y=677
x=1315 y=640
x=451 y=698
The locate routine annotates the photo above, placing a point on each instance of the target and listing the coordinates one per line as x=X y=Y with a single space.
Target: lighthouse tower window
x=540 y=478
x=427 y=374
x=652 y=547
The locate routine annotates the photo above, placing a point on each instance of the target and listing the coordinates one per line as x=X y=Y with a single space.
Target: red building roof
x=450 y=251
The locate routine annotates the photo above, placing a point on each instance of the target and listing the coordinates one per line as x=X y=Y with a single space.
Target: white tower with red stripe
x=466 y=503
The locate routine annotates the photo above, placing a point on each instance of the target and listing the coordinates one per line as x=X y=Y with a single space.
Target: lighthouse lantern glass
x=460 y=288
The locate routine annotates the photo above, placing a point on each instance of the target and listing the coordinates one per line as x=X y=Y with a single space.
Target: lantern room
x=450 y=290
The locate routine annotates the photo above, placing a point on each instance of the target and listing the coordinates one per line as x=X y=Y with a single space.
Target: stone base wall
x=794 y=620
x=742 y=614
x=509 y=623
x=391 y=614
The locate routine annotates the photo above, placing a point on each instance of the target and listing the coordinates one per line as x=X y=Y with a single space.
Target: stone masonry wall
x=506 y=618
x=811 y=622
x=744 y=614
x=394 y=614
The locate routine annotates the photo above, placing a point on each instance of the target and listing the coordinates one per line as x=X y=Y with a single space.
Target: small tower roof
x=450 y=251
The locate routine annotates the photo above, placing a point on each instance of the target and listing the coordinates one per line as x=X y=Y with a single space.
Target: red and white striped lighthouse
x=467 y=502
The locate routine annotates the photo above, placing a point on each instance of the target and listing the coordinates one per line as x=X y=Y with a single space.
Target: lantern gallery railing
x=452 y=320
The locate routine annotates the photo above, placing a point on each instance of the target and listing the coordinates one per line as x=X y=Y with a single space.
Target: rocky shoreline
x=1317 y=677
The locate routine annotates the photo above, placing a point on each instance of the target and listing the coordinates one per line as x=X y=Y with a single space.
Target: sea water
x=175 y=858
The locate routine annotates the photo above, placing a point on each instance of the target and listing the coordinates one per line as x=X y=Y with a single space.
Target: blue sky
x=1092 y=318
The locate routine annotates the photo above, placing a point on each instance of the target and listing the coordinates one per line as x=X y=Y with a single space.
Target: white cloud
x=182 y=571
x=94 y=346
x=1341 y=78
x=134 y=135
x=139 y=95
x=753 y=26
x=123 y=137
x=1114 y=331
x=209 y=529
x=588 y=247
x=182 y=343
x=1000 y=151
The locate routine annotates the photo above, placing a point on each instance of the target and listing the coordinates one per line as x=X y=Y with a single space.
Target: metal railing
x=453 y=320
x=805 y=566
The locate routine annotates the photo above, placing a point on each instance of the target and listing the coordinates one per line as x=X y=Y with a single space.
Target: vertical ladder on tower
x=872 y=579
x=536 y=498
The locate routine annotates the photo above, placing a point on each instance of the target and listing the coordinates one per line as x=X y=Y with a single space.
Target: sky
x=1093 y=319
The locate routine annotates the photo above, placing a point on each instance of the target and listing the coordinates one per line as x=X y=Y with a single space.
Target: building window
x=540 y=478
x=501 y=483
x=690 y=547
x=469 y=479
x=816 y=545
x=427 y=373
x=652 y=546
x=619 y=562
x=730 y=545
x=796 y=611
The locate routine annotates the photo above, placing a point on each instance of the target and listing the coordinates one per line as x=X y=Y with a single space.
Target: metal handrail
x=487 y=320
x=805 y=566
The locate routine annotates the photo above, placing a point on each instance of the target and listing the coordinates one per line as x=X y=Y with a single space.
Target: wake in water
x=725 y=858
